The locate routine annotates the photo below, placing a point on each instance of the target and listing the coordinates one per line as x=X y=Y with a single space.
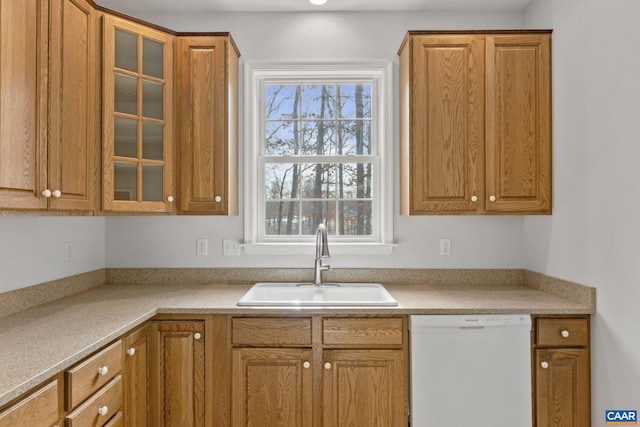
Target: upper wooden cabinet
x=207 y=95
x=47 y=105
x=475 y=122
x=137 y=156
x=72 y=105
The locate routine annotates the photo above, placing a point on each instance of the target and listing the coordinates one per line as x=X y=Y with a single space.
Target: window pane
x=355 y=137
x=152 y=52
x=152 y=141
x=355 y=180
x=152 y=97
x=126 y=55
x=318 y=138
x=280 y=138
x=152 y=183
x=125 y=137
x=282 y=180
x=315 y=212
x=318 y=181
x=281 y=102
x=354 y=218
x=281 y=218
x=318 y=102
x=355 y=101
x=125 y=94
x=125 y=181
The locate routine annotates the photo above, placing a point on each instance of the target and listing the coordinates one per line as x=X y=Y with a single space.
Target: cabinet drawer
x=271 y=331
x=363 y=331
x=116 y=421
x=90 y=375
x=39 y=409
x=107 y=399
x=562 y=332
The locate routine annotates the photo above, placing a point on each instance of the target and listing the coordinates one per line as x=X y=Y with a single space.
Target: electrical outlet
x=68 y=251
x=202 y=246
x=230 y=247
x=445 y=247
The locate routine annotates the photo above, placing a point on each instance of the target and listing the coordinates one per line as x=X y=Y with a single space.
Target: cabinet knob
x=103 y=410
x=197 y=335
x=131 y=351
x=218 y=199
x=306 y=364
x=170 y=199
x=327 y=365
x=564 y=333
x=103 y=370
x=474 y=199
x=56 y=194
x=492 y=198
x=46 y=193
x=544 y=365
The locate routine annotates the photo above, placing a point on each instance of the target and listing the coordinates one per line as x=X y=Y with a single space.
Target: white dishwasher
x=470 y=370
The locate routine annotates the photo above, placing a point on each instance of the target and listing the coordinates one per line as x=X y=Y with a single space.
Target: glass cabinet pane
x=152 y=183
x=152 y=99
x=125 y=94
x=126 y=50
x=152 y=61
x=125 y=137
x=152 y=141
x=125 y=183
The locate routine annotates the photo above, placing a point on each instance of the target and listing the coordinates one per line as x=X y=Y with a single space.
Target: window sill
x=308 y=248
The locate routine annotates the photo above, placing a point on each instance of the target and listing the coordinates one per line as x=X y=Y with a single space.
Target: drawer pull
x=103 y=371
x=564 y=333
x=197 y=335
x=327 y=365
x=306 y=364
x=544 y=365
x=103 y=410
x=131 y=351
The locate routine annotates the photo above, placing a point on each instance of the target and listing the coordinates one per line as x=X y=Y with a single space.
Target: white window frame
x=257 y=75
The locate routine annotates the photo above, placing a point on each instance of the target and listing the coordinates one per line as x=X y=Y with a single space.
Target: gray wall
x=593 y=236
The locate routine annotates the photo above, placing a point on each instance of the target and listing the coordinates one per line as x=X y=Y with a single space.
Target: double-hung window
x=317 y=152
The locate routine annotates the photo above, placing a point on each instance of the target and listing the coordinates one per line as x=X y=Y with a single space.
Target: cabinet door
x=136 y=378
x=137 y=118
x=518 y=152
x=177 y=377
x=447 y=129
x=23 y=103
x=562 y=390
x=272 y=387
x=72 y=105
x=207 y=71
x=364 y=388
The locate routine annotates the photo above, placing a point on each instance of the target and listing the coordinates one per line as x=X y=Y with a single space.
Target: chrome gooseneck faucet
x=322 y=251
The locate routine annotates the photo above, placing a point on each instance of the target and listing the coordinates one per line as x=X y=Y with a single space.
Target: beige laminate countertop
x=38 y=343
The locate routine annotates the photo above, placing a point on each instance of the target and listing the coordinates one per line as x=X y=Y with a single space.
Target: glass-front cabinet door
x=137 y=125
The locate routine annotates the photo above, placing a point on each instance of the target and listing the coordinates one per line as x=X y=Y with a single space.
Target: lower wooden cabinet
x=272 y=387
x=319 y=372
x=363 y=388
x=177 y=373
x=561 y=372
x=136 y=378
x=37 y=409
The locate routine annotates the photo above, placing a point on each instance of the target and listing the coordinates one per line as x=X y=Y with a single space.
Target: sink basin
x=325 y=295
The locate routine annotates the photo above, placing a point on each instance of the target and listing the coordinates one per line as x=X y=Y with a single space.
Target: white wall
x=593 y=236
x=32 y=249
x=477 y=242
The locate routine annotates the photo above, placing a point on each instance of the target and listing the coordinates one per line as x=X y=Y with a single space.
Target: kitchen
x=588 y=240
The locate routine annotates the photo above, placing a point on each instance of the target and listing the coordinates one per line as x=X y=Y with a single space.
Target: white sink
x=325 y=295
